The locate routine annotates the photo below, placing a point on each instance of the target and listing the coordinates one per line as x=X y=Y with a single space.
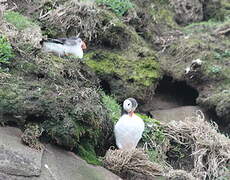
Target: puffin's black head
x=130 y=105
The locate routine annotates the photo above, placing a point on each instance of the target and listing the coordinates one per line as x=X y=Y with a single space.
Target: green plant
x=119 y=7
x=86 y=152
x=154 y=139
x=221 y=55
x=153 y=130
x=19 y=21
x=215 y=69
x=113 y=108
x=5 y=50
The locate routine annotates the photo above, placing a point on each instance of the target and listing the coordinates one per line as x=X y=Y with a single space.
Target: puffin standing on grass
x=64 y=46
x=129 y=128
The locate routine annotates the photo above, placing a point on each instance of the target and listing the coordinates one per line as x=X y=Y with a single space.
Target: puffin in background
x=129 y=128
x=64 y=46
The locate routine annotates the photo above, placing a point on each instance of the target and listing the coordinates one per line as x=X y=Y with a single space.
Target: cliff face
x=138 y=48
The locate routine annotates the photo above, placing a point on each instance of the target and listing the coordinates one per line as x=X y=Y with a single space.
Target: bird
x=64 y=46
x=129 y=128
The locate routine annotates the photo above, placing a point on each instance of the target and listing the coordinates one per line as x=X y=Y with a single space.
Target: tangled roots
x=127 y=161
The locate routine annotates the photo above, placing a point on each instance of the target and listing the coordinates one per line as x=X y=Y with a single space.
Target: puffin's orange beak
x=83 y=45
x=131 y=113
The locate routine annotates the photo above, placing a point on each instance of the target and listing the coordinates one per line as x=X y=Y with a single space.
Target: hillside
x=173 y=56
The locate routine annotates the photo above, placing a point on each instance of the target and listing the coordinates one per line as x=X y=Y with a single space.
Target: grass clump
x=86 y=151
x=119 y=7
x=19 y=21
x=113 y=108
x=5 y=50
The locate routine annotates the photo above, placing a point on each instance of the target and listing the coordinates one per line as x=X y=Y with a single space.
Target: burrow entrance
x=170 y=93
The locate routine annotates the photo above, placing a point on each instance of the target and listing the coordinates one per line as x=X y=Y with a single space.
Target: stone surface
x=176 y=114
x=16 y=158
x=57 y=164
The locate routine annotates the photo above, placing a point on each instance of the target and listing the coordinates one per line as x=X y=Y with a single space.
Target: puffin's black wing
x=67 y=41
x=57 y=41
x=72 y=41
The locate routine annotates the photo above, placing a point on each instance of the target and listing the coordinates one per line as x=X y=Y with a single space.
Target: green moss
x=19 y=21
x=114 y=109
x=86 y=152
x=144 y=71
x=51 y=90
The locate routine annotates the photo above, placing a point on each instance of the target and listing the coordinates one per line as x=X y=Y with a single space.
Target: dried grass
x=210 y=149
x=3 y=6
x=29 y=37
x=125 y=161
x=210 y=152
x=80 y=16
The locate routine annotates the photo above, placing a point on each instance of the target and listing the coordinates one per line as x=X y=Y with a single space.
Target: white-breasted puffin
x=129 y=128
x=64 y=46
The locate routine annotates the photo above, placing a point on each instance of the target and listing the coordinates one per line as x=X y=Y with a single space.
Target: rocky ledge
x=20 y=162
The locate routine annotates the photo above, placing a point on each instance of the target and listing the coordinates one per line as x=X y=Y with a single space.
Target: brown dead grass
x=210 y=149
x=210 y=152
x=22 y=40
x=125 y=161
x=80 y=16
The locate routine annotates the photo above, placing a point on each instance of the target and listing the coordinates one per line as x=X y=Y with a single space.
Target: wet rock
x=176 y=114
x=15 y=158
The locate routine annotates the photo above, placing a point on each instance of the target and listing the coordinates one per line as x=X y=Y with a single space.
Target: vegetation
x=114 y=109
x=153 y=138
x=6 y=52
x=131 y=44
x=86 y=151
x=19 y=21
x=144 y=71
x=119 y=7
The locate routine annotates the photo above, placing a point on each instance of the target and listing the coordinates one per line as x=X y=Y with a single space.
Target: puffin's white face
x=81 y=43
x=130 y=105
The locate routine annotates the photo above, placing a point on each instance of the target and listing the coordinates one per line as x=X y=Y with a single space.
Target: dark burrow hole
x=33 y=118
x=177 y=91
x=105 y=86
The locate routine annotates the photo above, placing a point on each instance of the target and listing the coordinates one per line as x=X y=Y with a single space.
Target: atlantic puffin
x=64 y=46
x=129 y=128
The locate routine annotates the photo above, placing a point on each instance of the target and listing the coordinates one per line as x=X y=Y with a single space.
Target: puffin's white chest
x=74 y=50
x=62 y=50
x=128 y=131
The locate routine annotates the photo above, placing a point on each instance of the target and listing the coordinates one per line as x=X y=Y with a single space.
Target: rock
x=16 y=158
x=66 y=165
x=19 y=162
x=176 y=114
x=187 y=11
x=58 y=164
